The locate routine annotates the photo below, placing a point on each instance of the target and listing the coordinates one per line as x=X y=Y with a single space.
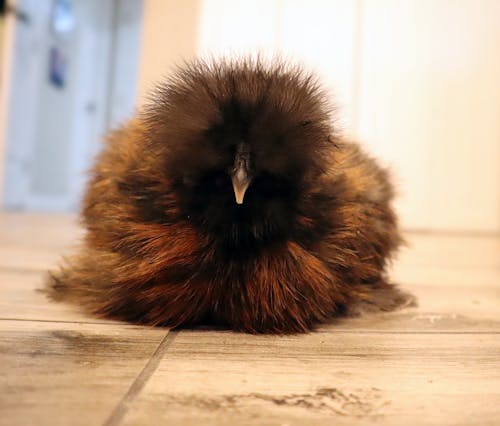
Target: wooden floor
x=435 y=364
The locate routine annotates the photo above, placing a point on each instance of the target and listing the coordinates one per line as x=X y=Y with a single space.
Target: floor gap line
x=140 y=381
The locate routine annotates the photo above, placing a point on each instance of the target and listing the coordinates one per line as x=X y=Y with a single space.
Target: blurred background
x=415 y=81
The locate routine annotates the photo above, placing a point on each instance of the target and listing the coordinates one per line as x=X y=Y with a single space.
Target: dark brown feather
x=166 y=244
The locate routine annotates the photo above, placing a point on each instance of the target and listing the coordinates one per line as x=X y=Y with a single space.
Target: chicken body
x=232 y=200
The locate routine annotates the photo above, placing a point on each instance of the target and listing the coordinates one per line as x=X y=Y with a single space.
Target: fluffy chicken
x=232 y=199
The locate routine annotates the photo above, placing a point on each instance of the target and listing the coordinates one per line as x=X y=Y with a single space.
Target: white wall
x=430 y=106
x=169 y=36
x=417 y=81
x=293 y=29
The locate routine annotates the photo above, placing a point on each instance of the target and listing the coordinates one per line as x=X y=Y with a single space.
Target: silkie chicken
x=233 y=200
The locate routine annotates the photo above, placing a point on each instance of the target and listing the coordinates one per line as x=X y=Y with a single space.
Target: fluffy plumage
x=231 y=199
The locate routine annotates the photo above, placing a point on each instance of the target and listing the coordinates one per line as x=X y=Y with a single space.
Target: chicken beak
x=241 y=181
x=240 y=175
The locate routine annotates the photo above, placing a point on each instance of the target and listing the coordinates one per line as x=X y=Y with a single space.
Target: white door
x=69 y=81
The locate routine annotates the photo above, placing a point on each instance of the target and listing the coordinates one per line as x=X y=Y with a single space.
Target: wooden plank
x=36 y=241
x=327 y=377
x=60 y=373
x=440 y=308
x=448 y=309
x=448 y=260
x=21 y=299
x=451 y=250
x=446 y=277
x=48 y=231
x=29 y=259
x=436 y=363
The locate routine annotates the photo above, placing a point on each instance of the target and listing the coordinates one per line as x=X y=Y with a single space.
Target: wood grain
x=59 y=373
x=21 y=299
x=30 y=241
x=38 y=230
x=222 y=378
x=29 y=259
x=440 y=308
x=448 y=259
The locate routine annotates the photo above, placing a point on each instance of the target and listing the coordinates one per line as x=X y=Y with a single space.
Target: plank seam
x=136 y=387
